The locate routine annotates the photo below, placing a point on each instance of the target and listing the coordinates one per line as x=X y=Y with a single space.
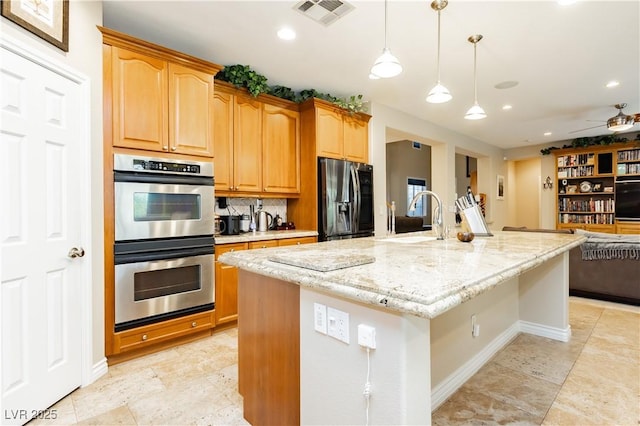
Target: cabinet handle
x=144 y=337
x=298 y=243
x=193 y=324
x=265 y=189
x=173 y=148
x=232 y=250
x=165 y=147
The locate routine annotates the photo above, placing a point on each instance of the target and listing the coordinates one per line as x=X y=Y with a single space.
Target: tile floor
x=594 y=379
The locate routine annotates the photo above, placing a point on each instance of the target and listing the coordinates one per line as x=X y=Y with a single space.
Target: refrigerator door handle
x=355 y=179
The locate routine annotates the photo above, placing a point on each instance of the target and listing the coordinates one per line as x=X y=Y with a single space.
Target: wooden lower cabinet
x=227 y=285
x=152 y=334
x=296 y=241
x=227 y=276
x=609 y=229
x=628 y=228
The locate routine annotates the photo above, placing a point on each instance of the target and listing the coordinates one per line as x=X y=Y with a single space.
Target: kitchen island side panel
x=269 y=349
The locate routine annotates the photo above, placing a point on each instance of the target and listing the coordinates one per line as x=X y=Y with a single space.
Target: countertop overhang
x=248 y=237
x=421 y=278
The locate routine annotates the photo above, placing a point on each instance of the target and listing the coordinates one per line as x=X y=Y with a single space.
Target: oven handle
x=162 y=179
x=120 y=259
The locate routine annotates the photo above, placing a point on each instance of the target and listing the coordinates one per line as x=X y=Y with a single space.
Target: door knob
x=76 y=252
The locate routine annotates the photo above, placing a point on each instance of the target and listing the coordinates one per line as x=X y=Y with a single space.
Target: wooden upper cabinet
x=257 y=144
x=329 y=133
x=280 y=149
x=140 y=105
x=247 y=144
x=340 y=134
x=223 y=140
x=190 y=111
x=157 y=99
x=356 y=139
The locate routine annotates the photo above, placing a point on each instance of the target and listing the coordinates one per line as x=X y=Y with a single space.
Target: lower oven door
x=148 y=290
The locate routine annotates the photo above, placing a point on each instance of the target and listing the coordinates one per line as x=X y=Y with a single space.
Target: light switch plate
x=320 y=318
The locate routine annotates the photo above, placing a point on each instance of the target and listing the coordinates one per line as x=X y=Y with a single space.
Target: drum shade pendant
x=386 y=65
x=475 y=112
x=621 y=121
x=439 y=94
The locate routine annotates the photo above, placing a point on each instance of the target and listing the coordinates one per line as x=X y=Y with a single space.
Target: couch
x=409 y=224
x=605 y=267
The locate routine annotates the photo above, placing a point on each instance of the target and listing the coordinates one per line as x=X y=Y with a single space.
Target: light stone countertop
x=248 y=237
x=422 y=278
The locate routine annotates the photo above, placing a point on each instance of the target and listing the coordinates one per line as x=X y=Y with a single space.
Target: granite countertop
x=262 y=236
x=410 y=273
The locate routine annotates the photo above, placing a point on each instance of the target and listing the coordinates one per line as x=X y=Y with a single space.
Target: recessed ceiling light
x=506 y=84
x=506 y=107
x=372 y=76
x=286 y=34
x=547 y=133
x=613 y=83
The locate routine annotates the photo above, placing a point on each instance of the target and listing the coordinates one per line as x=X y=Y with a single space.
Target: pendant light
x=475 y=112
x=439 y=94
x=621 y=121
x=386 y=65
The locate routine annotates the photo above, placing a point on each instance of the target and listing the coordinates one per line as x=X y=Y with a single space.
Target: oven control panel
x=165 y=166
x=138 y=163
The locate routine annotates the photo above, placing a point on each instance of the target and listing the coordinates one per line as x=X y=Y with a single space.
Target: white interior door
x=40 y=165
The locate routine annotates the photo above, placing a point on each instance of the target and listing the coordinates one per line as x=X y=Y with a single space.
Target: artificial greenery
x=590 y=141
x=256 y=84
x=244 y=76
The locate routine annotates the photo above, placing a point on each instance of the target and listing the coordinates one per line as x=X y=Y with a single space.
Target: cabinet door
x=247 y=144
x=356 y=139
x=628 y=228
x=227 y=286
x=223 y=140
x=329 y=133
x=190 y=111
x=280 y=150
x=140 y=105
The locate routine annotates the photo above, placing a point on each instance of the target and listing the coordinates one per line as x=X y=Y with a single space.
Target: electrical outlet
x=366 y=336
x=320 y=318
x=338 y=324
x=475 y=328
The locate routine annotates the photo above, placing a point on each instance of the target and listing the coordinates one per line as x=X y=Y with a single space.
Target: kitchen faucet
x=439 y=217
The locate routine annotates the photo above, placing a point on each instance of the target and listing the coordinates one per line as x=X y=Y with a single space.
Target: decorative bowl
x=465 y=237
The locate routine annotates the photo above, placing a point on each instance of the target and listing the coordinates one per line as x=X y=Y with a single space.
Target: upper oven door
x=162 y=210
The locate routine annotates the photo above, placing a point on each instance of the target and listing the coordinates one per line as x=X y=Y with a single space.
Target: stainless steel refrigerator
x=345 y=199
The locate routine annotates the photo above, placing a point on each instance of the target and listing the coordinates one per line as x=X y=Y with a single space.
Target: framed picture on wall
x=48 y=19
x=500 y=188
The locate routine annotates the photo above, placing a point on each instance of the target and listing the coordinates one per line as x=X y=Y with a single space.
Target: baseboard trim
x=452 y=383
x=98 y=370
x=563 y=335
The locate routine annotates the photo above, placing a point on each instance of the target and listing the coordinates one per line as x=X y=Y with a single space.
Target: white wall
x=388 y=125
x=85 y=56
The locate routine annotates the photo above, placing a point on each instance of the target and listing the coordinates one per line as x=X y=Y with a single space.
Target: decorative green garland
x=590 y=141
x=244 y=76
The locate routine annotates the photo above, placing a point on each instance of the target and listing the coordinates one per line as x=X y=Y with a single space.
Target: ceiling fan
x=619 y=122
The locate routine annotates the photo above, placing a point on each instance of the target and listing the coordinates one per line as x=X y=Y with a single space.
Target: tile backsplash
x=238 y=206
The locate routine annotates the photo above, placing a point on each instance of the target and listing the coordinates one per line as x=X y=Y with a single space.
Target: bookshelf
x=585 y=186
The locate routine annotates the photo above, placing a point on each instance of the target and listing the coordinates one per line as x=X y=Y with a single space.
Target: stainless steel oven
x=161 y=198
x=164 y=244
x=161 y=279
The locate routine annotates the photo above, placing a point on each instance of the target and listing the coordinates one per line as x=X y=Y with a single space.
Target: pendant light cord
x=438 y=47
x=385 y=24
x=475 y=74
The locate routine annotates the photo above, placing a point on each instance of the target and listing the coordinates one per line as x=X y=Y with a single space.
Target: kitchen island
x=422 y=296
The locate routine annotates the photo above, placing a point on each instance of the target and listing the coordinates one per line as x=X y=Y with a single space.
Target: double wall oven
x=164 y=244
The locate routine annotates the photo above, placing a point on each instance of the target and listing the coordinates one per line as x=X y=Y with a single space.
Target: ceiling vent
x=324 y=11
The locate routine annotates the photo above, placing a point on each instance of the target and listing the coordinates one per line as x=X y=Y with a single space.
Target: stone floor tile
x=540 y=357
x=469 y=407
x=61 y=413
x=515 y=388
x=118 y=416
